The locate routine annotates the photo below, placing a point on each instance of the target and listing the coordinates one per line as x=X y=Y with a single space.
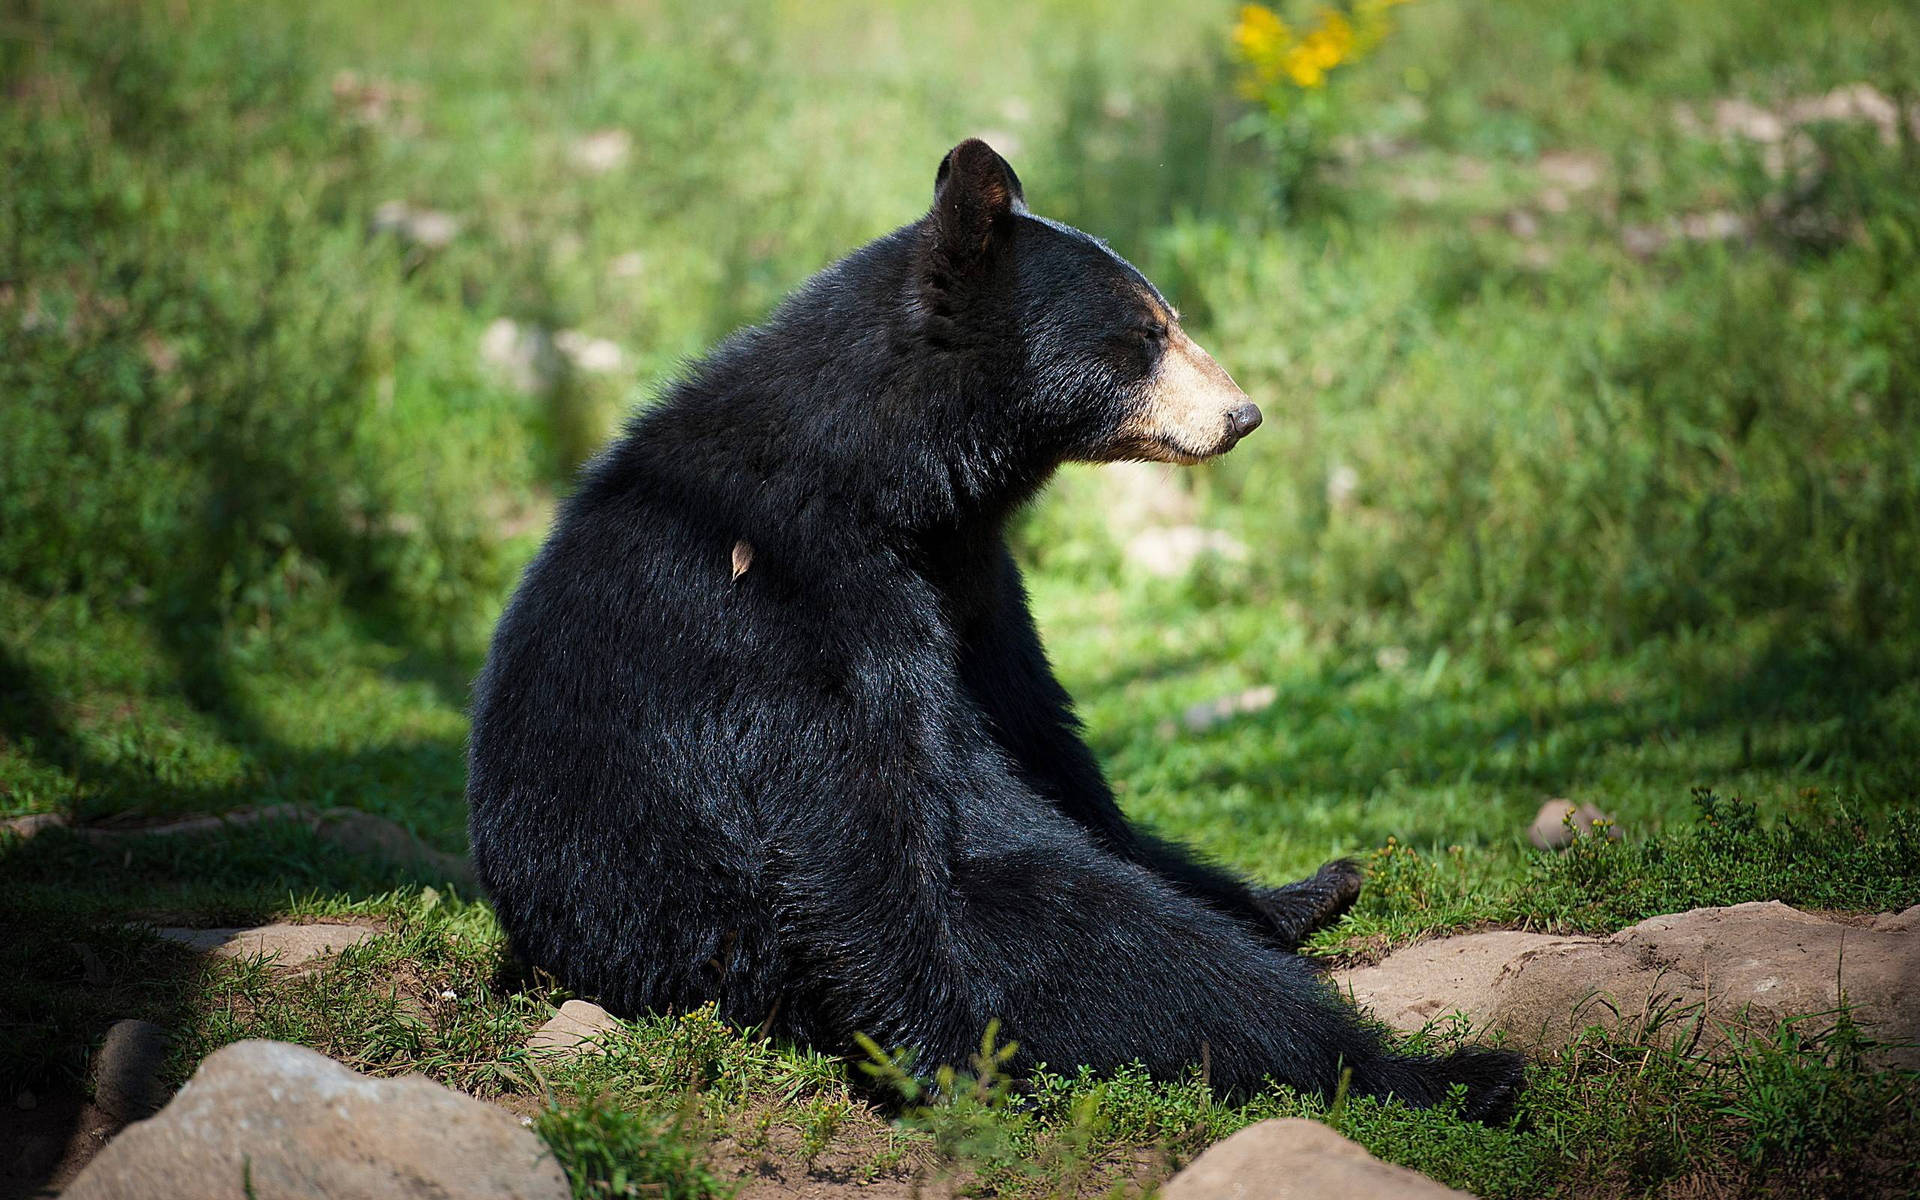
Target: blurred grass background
x=308 y=311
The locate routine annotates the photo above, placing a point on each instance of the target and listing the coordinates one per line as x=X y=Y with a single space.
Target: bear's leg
x=1088 y=959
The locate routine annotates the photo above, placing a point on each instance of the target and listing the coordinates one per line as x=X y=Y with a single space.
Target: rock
x=350 y=828
x=532 y=358
x=1294 y=1159
x=1900 y=922
x=1686 y=978
x=1550 y=829
x=1572 y=170
x=595 y=356
x=1343 y=487
x=1171 y=552
x=1428 y=980
x=631 y=265
x=1138 y=496
x=365 y=833
x=271 y=1119
x=573 y=1030
x=286 y=945
x=369 y=100
x=126 y=1070
x=524 y=355
x=32 y=824
x=601 y=151
x=1198 y=718
x=196 y=825
x=424 y=227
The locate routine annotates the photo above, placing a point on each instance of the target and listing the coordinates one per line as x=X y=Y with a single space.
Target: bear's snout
x=1191 y=409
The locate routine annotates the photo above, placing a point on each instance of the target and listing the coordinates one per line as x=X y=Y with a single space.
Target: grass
x=1535 y=513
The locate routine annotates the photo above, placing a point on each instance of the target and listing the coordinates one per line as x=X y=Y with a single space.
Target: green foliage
x=1831 y=859
x=200 y=357
x=1827 y=858
x=613 y=1152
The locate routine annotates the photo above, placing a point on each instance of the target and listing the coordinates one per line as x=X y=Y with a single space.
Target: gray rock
x=286 y=945
x=269 y=1119
x=1294 y=1159
x=126 y=1071
x=575 y=1029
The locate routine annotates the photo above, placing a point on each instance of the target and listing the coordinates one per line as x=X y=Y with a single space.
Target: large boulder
x=272 y=1119
x=1690 y=977
x=1294 y=1159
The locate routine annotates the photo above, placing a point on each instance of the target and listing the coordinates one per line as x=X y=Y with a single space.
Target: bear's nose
x=1244 y=419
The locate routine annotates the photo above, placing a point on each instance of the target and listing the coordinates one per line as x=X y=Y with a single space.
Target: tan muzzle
x=1192 y=412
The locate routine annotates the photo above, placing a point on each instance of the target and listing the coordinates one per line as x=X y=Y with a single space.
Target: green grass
x=1533 y=514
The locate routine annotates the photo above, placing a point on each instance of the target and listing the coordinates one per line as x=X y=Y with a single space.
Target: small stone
x=1717 y=226
x=523 y=354
x=1170 y=553
x=1571 y=170
x=1199 y=718
x=424 y=227
x=601 y=151
x=126 y=1070
x=1343 y=487
x=1643 y=241
x=1748 y=120
x=1136 y=496
x=595 y=356
x=575 y=1029
x=271 y=1119
x=285 y=945
x=1551 y=830
x=366 y=833
x=1290 y=1158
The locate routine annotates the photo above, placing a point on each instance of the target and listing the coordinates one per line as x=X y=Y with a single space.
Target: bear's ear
x=974 y=192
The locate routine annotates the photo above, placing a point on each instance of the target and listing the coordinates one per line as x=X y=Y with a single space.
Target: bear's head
x=1105 y=371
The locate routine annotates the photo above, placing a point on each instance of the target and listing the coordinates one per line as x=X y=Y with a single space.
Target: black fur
x=842 y=791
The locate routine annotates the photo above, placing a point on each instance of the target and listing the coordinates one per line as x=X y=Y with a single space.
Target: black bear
x=767 y=722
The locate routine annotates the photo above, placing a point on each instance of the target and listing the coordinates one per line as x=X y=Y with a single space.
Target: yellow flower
x=1260 y=35
x=1260 y=41
x=1270 y=50
x=1329 y=45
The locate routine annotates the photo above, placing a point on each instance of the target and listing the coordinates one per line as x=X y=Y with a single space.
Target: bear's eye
x=1135 y=349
